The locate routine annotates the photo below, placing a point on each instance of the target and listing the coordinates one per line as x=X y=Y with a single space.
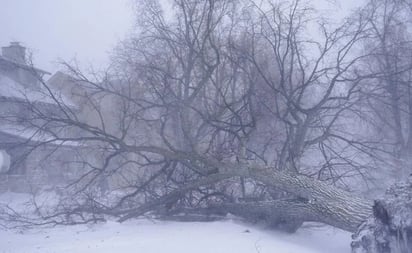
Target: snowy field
x=149 y=236
x=174 y=237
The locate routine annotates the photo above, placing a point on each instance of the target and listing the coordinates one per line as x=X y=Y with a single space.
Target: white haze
x=64 y=29
x=86 y=29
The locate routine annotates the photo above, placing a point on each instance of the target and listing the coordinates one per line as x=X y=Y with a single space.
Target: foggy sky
x=85 y=29
x=52 y=29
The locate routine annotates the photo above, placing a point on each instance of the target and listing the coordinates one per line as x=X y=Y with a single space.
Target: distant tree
x=388 y=95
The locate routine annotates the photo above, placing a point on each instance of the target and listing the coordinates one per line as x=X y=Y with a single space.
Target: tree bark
x=390 y=228
x=334 y=206
x=323 y=202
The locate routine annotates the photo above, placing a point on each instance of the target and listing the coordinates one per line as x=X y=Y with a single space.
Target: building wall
x=36 y=167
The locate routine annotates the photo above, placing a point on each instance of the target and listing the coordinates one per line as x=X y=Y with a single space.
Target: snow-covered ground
x=148 y=236
x=173 y=237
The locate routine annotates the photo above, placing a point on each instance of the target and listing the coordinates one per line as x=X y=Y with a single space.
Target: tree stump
x=390 y=228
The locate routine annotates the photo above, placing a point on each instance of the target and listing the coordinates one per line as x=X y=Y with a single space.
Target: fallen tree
x=317 y=201
x=197 y=106
x=389 y=230
x=313 y=201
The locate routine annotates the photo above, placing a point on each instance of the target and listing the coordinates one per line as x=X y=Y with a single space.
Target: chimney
x=15 y=52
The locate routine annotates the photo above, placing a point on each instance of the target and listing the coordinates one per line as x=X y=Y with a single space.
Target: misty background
x=286 y=116
x=87 y=30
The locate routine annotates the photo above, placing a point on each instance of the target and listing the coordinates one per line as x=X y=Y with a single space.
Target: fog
x=55 y=30
x=250 y=125
x=85 y=29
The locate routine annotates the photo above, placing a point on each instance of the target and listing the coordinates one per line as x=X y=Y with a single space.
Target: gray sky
x=85 y=29
x=52 y=29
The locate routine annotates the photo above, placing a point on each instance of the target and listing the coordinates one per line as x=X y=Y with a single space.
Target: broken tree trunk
x=332 y=205
x=324 y=202
x=390 y=228
x=285 y=215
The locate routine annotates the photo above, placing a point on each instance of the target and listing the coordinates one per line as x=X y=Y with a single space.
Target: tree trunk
x=334 y=206
x=390 y=228
x=321 y=202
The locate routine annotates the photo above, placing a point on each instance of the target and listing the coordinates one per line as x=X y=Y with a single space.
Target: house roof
x=35 y=135
x=24 y=66
x=12 y=89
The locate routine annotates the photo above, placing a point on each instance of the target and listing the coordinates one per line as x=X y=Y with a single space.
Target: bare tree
x=219 y=101
x=387 y=97
x=309 y=84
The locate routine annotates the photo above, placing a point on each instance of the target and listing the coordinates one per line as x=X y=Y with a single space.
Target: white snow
x=152 y=236
x=174 y=237
x=13 y=89
x=25 y=132
x=34 y=134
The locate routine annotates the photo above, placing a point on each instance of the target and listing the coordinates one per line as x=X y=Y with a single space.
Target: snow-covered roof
x=13 y=89
x=24 y=66
x=35 y=135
